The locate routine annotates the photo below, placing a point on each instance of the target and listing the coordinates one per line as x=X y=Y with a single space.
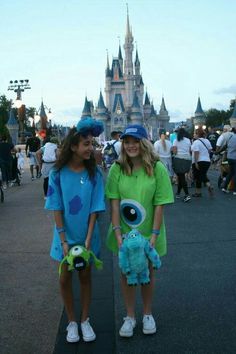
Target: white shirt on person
x=223 y=139
x=198 y=145
x=183 y=148
x=161 y=151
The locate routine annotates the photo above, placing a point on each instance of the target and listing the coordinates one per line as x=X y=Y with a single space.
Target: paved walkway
x=195 y=298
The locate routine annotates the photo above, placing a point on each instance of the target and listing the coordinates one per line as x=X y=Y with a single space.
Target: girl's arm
x=115 y=219
x=174 y=150
x=58 y=217
x=196 y=156
x=92 y=220
x=157 y=220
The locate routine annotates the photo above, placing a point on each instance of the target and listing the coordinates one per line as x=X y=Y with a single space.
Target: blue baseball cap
x=135 y=130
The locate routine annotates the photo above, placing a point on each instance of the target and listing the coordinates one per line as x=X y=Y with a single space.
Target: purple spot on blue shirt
x=50 y=191
x=57 y=179
x=75 y=205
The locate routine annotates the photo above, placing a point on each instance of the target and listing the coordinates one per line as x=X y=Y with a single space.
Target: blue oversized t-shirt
x=77 y=196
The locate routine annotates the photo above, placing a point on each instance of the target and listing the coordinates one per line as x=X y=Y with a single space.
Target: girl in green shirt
x=138 y=187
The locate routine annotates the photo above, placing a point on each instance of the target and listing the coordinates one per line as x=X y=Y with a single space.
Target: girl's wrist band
x=156 y=232
x=60 y=229
x=114 y=228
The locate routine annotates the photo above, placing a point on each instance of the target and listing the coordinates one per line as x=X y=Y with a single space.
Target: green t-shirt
x=138 y=195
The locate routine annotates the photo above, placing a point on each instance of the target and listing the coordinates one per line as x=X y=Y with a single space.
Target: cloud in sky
x=230 y=89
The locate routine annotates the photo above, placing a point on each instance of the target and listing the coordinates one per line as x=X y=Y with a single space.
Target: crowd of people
x=138 y=186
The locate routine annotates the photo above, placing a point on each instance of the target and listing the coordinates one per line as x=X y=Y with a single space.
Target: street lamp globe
x=18 y=103
x=36 y=118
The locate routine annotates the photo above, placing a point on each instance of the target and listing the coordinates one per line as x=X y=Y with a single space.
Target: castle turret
x=137 y=64
x=120 y=59
x=43 y=117
x=199 y=116
x=87 y=109
x=136 y=115
x=146 y=106
x=232 y=119
x=13 y=127
x=163 y=117
x=108 y=83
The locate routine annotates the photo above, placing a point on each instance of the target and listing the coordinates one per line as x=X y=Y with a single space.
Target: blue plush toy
x=134 y=254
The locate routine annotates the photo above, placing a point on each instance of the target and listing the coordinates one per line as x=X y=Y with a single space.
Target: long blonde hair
x=148 y=158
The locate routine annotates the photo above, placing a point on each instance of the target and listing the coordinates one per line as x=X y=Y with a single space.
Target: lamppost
x=20 y=86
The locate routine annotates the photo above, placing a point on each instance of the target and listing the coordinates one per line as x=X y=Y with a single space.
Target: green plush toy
x=78 y=258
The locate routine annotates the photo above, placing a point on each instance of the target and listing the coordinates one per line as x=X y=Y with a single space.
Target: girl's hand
x=65 y=248
x=196 y=165
x=153 y=240
x=119 y=240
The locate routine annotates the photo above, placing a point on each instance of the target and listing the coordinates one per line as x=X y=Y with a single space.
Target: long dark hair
x=181 y=134
x=66 y=153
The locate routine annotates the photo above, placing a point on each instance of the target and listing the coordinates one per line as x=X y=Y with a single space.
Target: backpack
x=110 y=154
x=49 y=154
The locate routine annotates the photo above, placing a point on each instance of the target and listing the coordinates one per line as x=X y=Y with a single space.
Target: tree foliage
x=4 y=109
x=217 y=118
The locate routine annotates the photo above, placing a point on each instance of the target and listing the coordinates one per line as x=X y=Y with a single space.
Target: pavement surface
x=195 y=297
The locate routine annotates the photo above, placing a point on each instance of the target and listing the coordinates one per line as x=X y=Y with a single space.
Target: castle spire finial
x=108 y=66
x=128 y=31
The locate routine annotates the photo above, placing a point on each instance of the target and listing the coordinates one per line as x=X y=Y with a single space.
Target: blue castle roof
x=101 y=104
x=199 y=109
x=12 y=119
x=87 y=108
x=135 y=101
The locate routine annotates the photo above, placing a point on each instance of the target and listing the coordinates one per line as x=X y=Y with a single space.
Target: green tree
x=4 y=114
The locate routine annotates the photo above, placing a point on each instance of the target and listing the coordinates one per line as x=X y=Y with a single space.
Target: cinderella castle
x=124 y=95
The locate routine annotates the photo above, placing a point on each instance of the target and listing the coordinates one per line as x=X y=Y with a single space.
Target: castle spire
x=199 y=110
x=163 y=106
x=87 y=109
x=101 y=104
x=119 y=53
x=137 y=62
x=147 y=101
x=128 y=29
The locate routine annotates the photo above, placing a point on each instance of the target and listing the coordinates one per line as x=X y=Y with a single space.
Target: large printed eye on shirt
x=132 y=212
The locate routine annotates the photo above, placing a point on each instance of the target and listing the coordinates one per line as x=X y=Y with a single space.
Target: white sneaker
x=149 y=325
x=87 y=331
x=225 y=190
x=234 y=193
x=72 y=332
x=127 y=329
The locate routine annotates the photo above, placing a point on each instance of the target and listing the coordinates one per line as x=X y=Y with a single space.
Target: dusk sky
x=186 y=48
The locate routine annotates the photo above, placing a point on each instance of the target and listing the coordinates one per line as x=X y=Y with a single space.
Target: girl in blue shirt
x=76 y=195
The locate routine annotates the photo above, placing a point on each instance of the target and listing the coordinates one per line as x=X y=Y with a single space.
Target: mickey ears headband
x=90 y=126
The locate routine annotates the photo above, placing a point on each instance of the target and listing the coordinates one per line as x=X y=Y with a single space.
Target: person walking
x=46 y=157
x=231 y=157
x=6 y=161
x=163 y=148
x=201 y=149
x=20 y=160
x=138 y=187
x=76 y=195
x=182 y=162
x=33 y=145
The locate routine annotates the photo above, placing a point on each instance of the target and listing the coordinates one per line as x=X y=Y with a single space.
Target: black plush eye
x=132 y=212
